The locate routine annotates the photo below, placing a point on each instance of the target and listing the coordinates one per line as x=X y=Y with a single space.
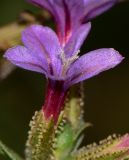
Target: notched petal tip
x=9 y=53
x=40 y=34
x=33 y=28
x=116 y=57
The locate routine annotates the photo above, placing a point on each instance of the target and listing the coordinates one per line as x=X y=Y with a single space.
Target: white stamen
x=68 y=61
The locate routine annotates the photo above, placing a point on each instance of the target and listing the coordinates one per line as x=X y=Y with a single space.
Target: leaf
x=6 y=152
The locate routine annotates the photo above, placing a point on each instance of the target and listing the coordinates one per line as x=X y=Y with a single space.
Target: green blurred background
x=106 y=96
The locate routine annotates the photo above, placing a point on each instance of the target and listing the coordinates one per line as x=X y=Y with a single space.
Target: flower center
x=67 y=61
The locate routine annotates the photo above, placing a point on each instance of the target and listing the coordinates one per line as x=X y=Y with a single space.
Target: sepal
x=8 y=153
x=70 y=126
x=40 y=139
x=107 y=149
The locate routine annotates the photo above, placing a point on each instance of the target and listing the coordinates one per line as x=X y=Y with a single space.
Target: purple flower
x=43 y=53
x=70 y=14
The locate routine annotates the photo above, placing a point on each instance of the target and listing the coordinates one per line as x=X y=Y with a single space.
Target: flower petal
x=92 y=64
x=73 y=12
x=44 y=44
x=56 y=8
x=75 y=42
x=94 y=8
x=23 y=58
x=70 y=14
x=42 y=3
x=67 y=15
